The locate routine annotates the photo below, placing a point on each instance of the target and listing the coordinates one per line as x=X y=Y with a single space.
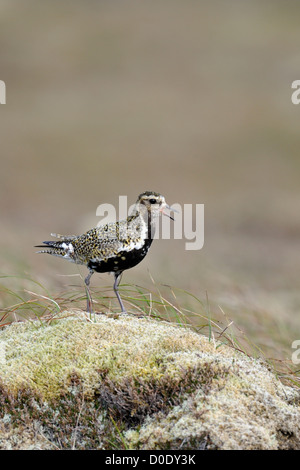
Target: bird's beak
x=170 y=209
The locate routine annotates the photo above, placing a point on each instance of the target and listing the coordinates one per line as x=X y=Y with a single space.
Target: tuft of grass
x=163 y=302
x=26 y=303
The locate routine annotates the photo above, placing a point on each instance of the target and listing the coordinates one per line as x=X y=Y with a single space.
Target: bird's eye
x=152 y=201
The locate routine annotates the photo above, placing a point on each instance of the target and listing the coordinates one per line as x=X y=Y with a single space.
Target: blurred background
x=191 y=99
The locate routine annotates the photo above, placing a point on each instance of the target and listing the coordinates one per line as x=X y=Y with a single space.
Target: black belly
x=124 y=260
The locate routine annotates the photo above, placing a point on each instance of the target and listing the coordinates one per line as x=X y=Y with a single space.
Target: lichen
x=136 y=383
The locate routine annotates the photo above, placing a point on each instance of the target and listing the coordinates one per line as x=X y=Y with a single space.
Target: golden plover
x=113 y=247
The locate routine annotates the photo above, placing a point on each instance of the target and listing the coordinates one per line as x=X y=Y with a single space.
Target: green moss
x=83 y=384
x=44 y=357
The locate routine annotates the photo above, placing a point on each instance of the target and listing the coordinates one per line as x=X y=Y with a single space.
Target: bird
x=113 y=247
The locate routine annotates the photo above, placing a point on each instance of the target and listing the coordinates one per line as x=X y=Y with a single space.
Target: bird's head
x=155 y=203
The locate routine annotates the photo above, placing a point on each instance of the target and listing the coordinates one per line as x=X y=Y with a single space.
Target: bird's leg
x=118 y=276
x=89 y=306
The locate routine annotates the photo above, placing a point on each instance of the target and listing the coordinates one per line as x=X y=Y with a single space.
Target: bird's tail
x=63 y=247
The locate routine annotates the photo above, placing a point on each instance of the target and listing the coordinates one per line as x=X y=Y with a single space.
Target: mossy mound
x=134 y=383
